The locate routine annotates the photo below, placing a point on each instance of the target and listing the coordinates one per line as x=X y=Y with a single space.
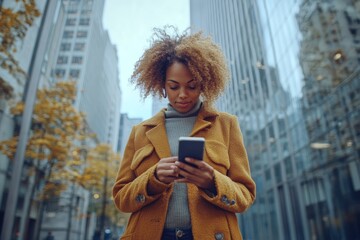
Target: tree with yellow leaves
x=55 y=141
x=99 y=175
x=54 y=147
x=14 y=25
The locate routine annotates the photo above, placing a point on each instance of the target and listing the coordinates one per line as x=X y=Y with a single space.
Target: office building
x=78 y=49
x=126 y=124
x=87 y=56
x=295 y=89
x=32 y=54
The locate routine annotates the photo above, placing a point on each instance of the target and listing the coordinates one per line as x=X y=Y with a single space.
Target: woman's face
x=182 y=89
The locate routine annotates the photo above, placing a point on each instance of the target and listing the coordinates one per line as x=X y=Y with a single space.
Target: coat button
x=179 y=233
x=224 y=199
x=219 y=236
x=232 y=202
x=140 y=198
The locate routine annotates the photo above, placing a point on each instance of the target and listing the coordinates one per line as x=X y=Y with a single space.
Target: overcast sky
x=130 y=24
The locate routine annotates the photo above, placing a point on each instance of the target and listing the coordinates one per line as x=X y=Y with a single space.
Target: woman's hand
x=202 y=175
x=166 y=170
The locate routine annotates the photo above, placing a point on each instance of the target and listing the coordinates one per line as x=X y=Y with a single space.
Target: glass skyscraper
x=295 y=88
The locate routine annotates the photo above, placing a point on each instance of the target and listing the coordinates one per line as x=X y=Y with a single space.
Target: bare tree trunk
x=68 y=230
x=103 y=212
x=24 y=222
x=42 y=204
x=39 y=219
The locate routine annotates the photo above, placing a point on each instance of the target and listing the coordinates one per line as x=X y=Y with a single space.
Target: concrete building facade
x=79 y=49
x=126 y=124
x=87 y=56
x=34 y=57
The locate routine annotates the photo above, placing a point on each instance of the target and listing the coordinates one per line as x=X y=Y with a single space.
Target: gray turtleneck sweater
x=177 y=125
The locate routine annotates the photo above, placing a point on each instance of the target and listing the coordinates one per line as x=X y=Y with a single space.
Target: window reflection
x=296 y=91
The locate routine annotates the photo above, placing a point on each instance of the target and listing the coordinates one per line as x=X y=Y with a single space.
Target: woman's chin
x=183 y=109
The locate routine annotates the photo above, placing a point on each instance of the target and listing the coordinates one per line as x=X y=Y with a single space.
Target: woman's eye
x=192 y=87
x=174 y=87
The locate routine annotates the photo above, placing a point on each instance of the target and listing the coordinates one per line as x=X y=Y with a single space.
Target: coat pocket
x=131 y=226
x=218 y=156
x=141 y=160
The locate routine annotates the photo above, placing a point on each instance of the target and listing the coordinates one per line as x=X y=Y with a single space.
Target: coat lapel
x=199 y=125
x=204 y=120
x=157 y=134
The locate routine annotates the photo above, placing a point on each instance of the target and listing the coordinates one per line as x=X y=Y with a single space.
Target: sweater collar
x=205 y=112
x=170 y=112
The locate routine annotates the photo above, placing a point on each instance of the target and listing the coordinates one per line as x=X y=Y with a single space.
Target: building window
x=77 y=60
x=68 y=34
x=88 y=3
x=72 y=10
x=86 y=12
x=52 y=206
x=70 y=22
x=84 y=21
x=277 y=171
x=81 y=34
x=62 y=60
x=59 y=73
x=74 y=73
x=65 y=47
x=79 y=47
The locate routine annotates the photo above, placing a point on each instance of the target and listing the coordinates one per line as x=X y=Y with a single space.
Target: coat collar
x=157 y=132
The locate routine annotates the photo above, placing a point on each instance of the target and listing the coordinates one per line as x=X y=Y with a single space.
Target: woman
x=169 y=199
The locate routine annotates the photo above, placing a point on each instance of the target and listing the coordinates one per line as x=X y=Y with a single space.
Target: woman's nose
x=183 y=93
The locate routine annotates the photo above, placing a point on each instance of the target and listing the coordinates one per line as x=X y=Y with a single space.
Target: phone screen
x=192 y=147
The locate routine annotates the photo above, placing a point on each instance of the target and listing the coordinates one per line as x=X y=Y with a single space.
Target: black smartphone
x=192 y=147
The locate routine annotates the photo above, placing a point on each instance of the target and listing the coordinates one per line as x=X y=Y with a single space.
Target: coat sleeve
x=235 y=191
x=130 y=192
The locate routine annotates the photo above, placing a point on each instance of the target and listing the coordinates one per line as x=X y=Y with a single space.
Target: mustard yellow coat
x=212 y=217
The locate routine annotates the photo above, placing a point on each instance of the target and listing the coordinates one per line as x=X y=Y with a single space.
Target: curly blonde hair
x=200 y=54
